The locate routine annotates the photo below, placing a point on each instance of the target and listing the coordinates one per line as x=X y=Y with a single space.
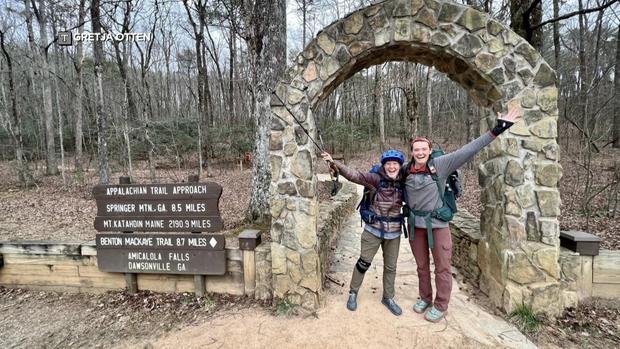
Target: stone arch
x=519 y=173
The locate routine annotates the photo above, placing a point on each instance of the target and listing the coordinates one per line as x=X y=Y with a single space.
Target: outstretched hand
x=327 y=157
x=514 y=113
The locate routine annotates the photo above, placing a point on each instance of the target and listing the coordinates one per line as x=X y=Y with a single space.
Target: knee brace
x=362 y=265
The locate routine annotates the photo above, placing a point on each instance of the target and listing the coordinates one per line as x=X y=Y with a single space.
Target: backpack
x=368 y=197
x=453 y=189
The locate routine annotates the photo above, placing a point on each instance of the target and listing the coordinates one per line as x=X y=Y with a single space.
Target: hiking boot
x=420 y=306
x=352 y=302
x=391 y=304
x=434 y=315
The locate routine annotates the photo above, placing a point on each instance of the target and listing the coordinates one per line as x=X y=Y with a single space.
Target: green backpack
x=453 y=189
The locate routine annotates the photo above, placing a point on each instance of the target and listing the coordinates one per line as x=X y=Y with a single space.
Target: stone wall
x=333 y=213
x=72 y=267
x=465 y=230
x=581 y=277
x=590 y=276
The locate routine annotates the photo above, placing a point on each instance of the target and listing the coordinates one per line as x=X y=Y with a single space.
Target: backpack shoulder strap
x=431 y=166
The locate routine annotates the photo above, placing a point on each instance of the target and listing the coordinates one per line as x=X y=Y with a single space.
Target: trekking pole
x=335 y=177
x=273 y=92
x=321 y=147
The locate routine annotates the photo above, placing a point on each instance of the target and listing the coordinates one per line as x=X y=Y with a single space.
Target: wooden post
x=584 y=285
x=248 y=240
x=199 y=280
x=131 y=279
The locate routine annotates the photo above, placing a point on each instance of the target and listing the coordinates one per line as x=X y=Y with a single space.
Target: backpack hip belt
x=427 y=215
x=370 y=218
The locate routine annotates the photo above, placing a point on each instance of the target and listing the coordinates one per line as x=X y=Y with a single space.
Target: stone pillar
x=294 y=208
x=519 y=174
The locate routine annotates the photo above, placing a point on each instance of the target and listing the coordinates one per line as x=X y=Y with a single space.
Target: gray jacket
x=422 y=192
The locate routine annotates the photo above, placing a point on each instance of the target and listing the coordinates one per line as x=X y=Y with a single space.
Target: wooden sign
x=185 y=207
x=198 y=254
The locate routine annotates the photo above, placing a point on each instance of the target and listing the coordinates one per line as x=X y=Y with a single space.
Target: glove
x=502 y=125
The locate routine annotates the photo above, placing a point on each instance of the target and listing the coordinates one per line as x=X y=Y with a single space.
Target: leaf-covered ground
x=593 y=324
x=40 y=319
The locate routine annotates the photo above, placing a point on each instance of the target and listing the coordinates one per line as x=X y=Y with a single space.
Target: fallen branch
x=330 y=278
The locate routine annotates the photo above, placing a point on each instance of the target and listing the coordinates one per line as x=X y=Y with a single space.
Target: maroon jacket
x=388 y=201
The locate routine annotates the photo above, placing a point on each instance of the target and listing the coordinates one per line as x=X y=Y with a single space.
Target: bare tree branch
x=575 y=13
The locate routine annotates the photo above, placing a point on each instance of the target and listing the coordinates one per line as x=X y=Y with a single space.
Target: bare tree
x=198 y=27
x=304 y=7
x=265 y=22
x=378 y=97
x=429 y=105
x=616 y=125
x=78 y=88
x=556 y=36
x=41 y=14
x=14 y=121
x=102 y=141
x=412 y=101
x=524 y=16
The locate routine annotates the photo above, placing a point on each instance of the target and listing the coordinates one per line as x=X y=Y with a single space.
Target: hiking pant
x=442 y=257
x=370 y=246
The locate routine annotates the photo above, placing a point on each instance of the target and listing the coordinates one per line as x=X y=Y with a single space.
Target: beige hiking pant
x=369 y=247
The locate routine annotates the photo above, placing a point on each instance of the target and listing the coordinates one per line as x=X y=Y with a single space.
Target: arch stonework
x=519 y=172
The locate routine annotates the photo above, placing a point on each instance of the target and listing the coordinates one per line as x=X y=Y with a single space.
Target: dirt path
x=371 y=326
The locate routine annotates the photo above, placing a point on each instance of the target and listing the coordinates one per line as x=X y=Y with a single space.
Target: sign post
x=200 y=286
x=167 y=209
x=131 y=279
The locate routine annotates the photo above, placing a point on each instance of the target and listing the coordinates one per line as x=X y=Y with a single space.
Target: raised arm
x=367 y=179
x=451 y=162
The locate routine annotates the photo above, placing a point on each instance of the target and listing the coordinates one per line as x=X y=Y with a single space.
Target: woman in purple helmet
x=385 y=225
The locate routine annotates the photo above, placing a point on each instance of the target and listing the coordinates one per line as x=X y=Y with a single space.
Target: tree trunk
x=203 y=79
x=381 y=109
x=50 y=148
x=78 y=91
x=34 y=78
x=524 y=16
x=616 y=127
x=220 y=77
x=583 y=75
x=304 y=12
x=268 y=51
x=232 y=47
x=429 y=106
x=60 y=136
x=15 y=127
x=412 y=102
x=102 y=142
x=556 y=38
